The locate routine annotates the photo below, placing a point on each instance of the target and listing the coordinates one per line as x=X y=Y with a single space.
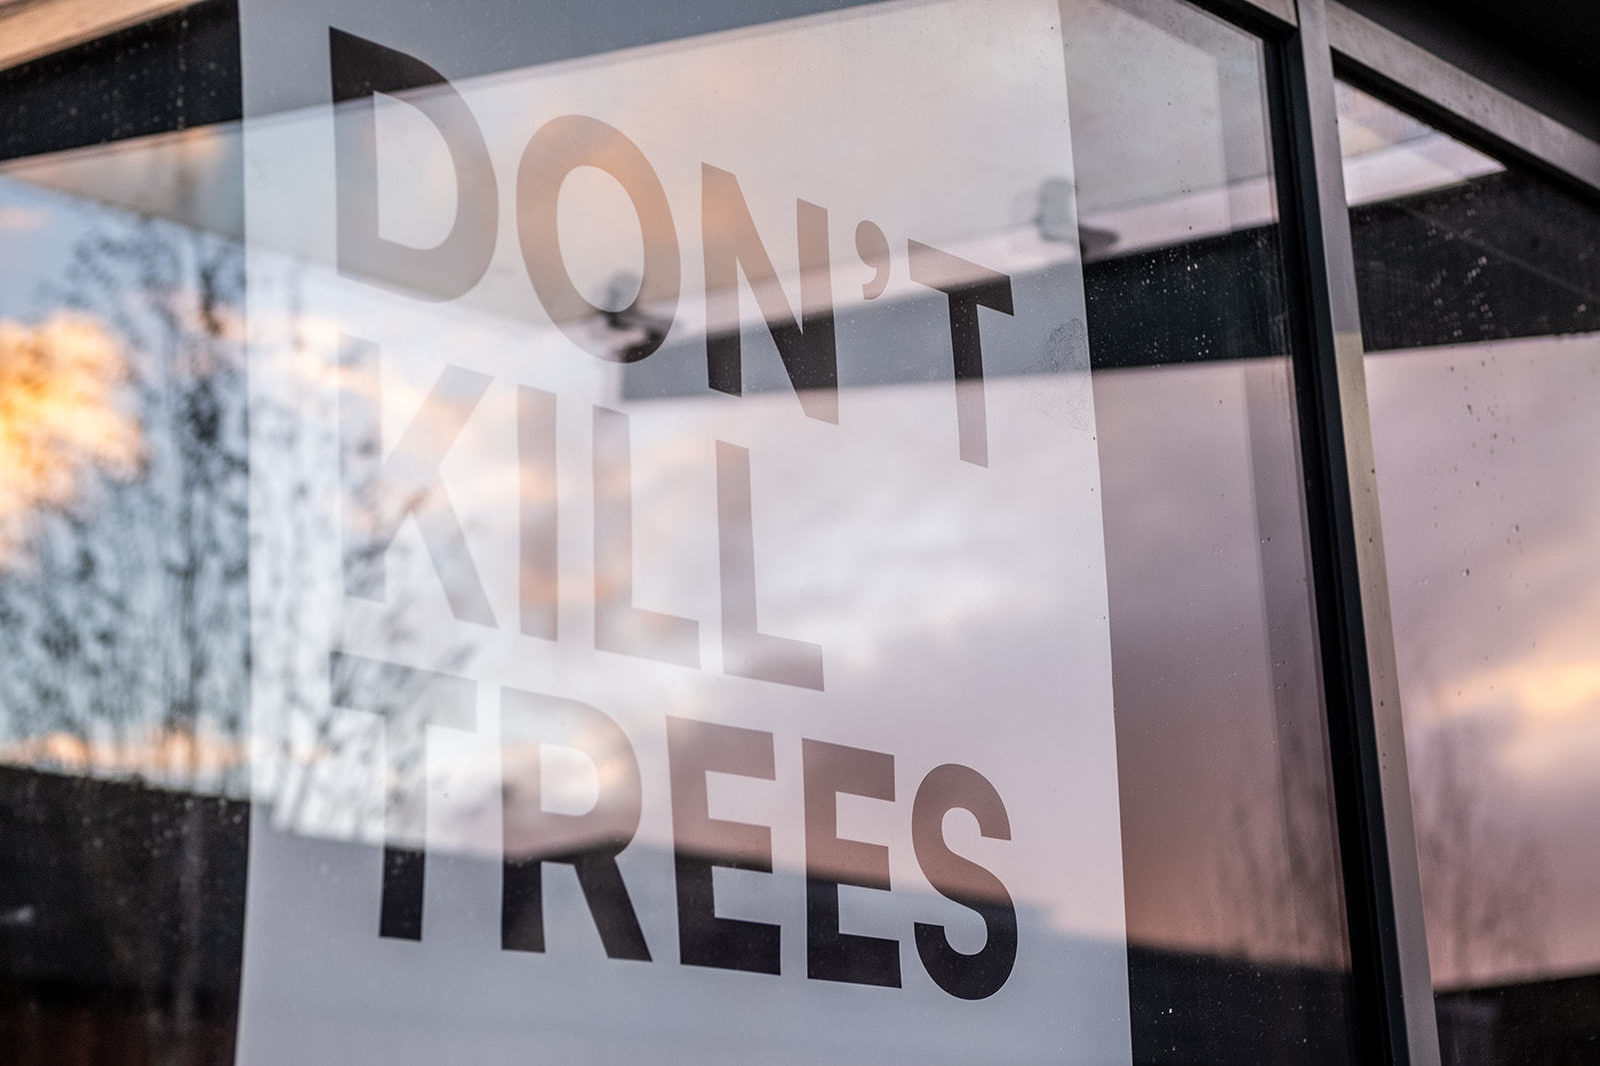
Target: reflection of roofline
x=1413 y=166
x=31 y=29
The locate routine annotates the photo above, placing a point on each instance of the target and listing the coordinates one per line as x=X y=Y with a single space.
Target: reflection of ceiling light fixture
x=1093 y=240
x=641 y=330
x=1055 y=210
x=1055 y=220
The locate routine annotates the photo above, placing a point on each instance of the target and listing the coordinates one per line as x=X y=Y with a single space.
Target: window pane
x=1235 y=916
x=1480 y=311
x=129 y=584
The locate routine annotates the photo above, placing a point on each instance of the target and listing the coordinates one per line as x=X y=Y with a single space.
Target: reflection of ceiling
x=33 y=28
x=1205 y=108
x=1388 y=154
x=1433 y=161
x=194 y=176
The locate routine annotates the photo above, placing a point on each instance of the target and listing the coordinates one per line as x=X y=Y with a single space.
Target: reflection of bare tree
x=131 y=598
x=125 y=615
x=1277 y=869
x=1275 y=881
x=1482 y=875
x=316 y=761
x=126 y=582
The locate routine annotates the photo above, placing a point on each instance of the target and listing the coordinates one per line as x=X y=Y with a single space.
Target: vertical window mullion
x=1389 y=953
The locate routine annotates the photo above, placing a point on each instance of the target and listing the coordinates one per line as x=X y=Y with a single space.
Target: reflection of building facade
x=808 y=438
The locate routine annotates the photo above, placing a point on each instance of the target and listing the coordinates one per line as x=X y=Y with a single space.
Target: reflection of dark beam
x=1500 y=256
x=182 y=70
x=1223 y=297
x=175 y=72
x=1213 y=299
x=1503 y=255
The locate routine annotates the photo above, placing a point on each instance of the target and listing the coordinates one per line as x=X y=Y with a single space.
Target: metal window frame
x=1396 y=1021
x=1308 y=46
x=1446 y=96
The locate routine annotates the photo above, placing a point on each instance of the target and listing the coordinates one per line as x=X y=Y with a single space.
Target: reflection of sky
x=1387 y=153
x=37 y=230
x=1193 y=685
x=1218 y=717
x=1484 y=454
x=87 y=586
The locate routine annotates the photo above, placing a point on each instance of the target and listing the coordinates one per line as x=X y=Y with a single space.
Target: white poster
x=678 y=588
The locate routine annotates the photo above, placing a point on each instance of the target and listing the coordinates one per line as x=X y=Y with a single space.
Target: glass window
x=176 y=537
x=1235 y=916
x=1479 y=285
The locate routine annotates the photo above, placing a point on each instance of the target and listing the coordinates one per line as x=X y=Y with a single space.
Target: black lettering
x=701 y=842
x=981 y=974
x=619 y=626
x=873 y=248
x=536 y=474
x=407 y=701
x=831 y=769
x=969 y=287
x=805 y=342
x=381 y=495
x=746 y=651
x=559 y=147
x=359 y=68
x=589 y=842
